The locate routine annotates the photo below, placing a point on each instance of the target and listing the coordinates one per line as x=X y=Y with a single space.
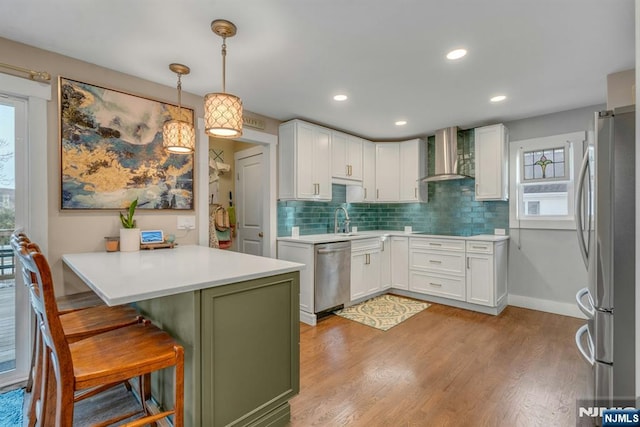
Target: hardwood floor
x=442 y=367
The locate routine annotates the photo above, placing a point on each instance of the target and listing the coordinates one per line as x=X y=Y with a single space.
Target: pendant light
x=223 y=111
x=179 y=136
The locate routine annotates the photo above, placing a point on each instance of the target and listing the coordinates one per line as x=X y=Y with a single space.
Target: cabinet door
x=372 y=272
x=387 y=172
x=358 y=286
x=400 y=262
x=354 y=157
x=385 y=264
x=369 y=171
x=409 y=170
x=304 y=170
x=480 y=283
x=321 y=163
x=491 y=163
x=339 y=165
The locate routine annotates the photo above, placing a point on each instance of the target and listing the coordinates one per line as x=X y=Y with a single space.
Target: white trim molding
x=563 y=308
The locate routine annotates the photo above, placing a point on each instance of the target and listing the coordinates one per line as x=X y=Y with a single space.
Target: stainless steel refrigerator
x=605 y=217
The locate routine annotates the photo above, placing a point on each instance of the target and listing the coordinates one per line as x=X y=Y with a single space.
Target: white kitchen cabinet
x=365 y=267
x=412 y=167
x=346 y=158
x=385 y=263
x=486 y=278
x=304 y=153
x=369 y=171
x=387 y=172
x=304 y=254
x=399 y=262
x=436 y=267
x=492 y=162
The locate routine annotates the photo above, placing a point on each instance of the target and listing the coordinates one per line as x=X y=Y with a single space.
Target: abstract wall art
x=111 y=151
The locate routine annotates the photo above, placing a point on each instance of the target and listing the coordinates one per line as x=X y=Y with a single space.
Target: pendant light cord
x=224 y=64
x=179 y=96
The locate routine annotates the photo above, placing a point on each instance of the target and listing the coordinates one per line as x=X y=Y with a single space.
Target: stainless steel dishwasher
x=332 y=275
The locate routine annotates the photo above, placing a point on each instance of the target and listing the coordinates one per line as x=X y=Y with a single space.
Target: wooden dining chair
x=78 y=323
x=97 y=361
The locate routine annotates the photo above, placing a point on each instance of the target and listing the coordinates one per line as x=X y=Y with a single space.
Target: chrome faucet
x=346 y=220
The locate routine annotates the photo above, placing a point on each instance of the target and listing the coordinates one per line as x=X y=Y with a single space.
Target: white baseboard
x=308 y=318
x=563 y=308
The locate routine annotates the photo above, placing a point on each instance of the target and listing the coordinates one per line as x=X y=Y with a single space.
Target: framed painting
x=111 y=151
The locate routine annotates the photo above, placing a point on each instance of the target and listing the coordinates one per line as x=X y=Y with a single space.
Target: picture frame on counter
x=111 y=151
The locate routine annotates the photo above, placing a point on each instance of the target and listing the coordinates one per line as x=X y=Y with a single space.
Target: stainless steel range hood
x=446 y=155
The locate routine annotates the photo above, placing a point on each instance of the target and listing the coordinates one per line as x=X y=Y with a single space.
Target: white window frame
x=575 y=142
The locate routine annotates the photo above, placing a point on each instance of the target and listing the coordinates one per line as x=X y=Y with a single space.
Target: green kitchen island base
x=242 y=350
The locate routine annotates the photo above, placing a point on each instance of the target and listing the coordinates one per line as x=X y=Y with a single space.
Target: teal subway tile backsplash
x=451 y=210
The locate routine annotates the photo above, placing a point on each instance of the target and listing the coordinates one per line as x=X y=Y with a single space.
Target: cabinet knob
x=261 y=234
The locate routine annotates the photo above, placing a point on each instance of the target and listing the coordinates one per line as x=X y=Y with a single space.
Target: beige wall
x=82 y=231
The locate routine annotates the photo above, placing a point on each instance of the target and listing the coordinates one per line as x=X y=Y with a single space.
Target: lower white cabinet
x=472 y=271
x=399 y=262
x=385 y=263
x=304 y=254
x=486 y=278
x=366 y=262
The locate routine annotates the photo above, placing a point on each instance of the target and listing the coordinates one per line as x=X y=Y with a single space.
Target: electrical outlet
x=186 y=222
x=499 y=231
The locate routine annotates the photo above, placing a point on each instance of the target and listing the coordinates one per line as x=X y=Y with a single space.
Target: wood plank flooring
x=442 y=367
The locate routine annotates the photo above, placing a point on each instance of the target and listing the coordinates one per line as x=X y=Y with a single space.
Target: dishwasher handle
x=331 y=251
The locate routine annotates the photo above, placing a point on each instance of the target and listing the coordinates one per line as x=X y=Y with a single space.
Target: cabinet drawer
x=480 y=247
x=432 y=284
x=437 y=261
x=366 y=244
x=438 y=244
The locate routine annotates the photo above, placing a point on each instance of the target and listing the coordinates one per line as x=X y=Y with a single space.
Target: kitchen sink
x=346 y=234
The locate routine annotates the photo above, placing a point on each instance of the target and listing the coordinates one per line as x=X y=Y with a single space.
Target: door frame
x=269 y=145
x=32 y=205
x=243 y=154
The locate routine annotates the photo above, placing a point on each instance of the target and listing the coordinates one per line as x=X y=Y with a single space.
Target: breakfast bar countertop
x=126 y=277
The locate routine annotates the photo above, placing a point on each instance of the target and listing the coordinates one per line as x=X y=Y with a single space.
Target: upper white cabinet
x=369 y=172
x=492 y=167
x=304 y=153
x=387 y=172
x=346 y=158
x=412 y=156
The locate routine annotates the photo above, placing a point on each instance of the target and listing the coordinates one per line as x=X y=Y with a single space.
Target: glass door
x=14 y=308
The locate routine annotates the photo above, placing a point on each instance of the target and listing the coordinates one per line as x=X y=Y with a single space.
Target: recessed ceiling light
x=340 y=97
x=456 y=54
x=498 y=98
x=401 y=122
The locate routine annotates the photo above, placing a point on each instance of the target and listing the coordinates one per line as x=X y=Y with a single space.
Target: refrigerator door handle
x=588 y=310
x=584 y=329
x=578 y=209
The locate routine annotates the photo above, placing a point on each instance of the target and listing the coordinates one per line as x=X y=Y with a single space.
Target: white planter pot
x=129 y=239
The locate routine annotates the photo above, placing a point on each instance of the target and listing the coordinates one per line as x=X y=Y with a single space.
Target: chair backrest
x=37 y=276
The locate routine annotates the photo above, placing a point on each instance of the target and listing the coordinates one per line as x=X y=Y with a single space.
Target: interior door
x=249 y=191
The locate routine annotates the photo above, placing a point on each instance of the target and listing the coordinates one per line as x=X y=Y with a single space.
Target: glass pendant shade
x=223 y=115
x=178 y=137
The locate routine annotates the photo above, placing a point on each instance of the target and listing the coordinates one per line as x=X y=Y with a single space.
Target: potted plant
x=129 y=234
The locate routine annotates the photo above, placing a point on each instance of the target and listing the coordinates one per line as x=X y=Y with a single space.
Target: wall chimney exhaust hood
x=446 y=156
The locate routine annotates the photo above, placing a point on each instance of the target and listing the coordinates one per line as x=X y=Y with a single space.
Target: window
x=542 y=177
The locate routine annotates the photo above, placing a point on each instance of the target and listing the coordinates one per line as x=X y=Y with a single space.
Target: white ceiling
x=291 y=56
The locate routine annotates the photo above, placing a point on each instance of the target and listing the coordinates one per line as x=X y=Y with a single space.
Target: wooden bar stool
x=98 y=361
x=78 y=323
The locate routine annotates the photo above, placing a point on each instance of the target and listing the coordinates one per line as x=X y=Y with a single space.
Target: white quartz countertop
x=330 y=237
x=125 y=277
